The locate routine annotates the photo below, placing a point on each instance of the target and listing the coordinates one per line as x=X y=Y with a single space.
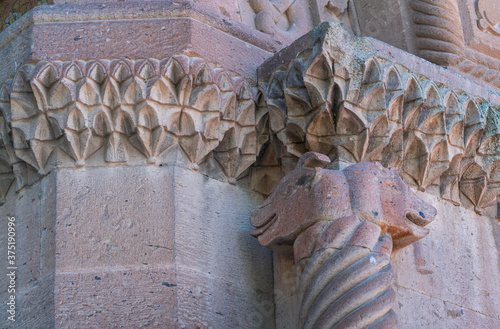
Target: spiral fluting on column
x=349 y=287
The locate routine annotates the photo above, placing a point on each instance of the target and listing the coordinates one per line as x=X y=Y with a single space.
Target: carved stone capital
x=343 y=227
x=354 y=100
x=123 y=111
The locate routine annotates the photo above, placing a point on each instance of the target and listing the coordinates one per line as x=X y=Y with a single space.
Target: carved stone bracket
x=343 y=227
x=107 y=112
x=333 y=93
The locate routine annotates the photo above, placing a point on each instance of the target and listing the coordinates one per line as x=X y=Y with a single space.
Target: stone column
x=125 y=161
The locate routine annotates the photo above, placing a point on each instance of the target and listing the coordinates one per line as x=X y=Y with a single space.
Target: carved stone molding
x=442 y=36
x=343 y=227
x=336 y=95
x=438 y=31
x=488 y=15
x=124 y=111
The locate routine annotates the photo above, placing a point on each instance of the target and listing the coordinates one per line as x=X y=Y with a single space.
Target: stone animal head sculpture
x=310 y=194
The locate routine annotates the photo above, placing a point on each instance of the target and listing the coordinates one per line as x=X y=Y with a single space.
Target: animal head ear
x=313 y=160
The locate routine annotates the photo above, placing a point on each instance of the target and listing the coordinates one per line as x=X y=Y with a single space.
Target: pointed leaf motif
x=372 y=91
x=73 y=73
x=124 y=123
x=412 y=104
x=181 y=124
x=322 y=124
x=245 y=108
x=204 y=98
x=44 y=131
x=379 y=138
x=121 y=72
x=79 y=144
x=116 y=151
x=174 y=71
x=395 y=110
x=248 y=144
x=449 y=188
x=23 y=102
x=490 y=141
x=4 y=94
x=147 y=71
x=204 y=76
x=133 y=94
x=392 y=154
x=89 y=94
x=473 y=183
x=226 y=153
x=473 y=122
x=319 y=80
x=416 y=161
x=393 y=84
x=148 y=118
x=438 y=163
x=48 y=76
x=110 y=97
x=229 y=107
x=152 y=142
x=454 y=121
x=76 y=120
x=164 y=92
x=211 y=129
x=431 y=119
x=352 y=136
x=22 y=149
x=97 y=73
x=296 y=96
x=59 y=96
x=275 y=88
x=225 y=83
x=102 y=124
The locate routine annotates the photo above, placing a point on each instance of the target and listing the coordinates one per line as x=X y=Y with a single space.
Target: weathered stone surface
x=343 y=227
x=214 y=251
x=458 y=263
x=127 y=297
x=34 y=210
x=187 y=256
x=108 y=222
x=442 y=314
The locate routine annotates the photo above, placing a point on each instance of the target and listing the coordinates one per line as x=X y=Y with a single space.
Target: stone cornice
x=339 y=95
x=136 y=10
x=123 y=111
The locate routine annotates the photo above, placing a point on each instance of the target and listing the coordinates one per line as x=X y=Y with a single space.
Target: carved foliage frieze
x=371 y=109
x=80 y=113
